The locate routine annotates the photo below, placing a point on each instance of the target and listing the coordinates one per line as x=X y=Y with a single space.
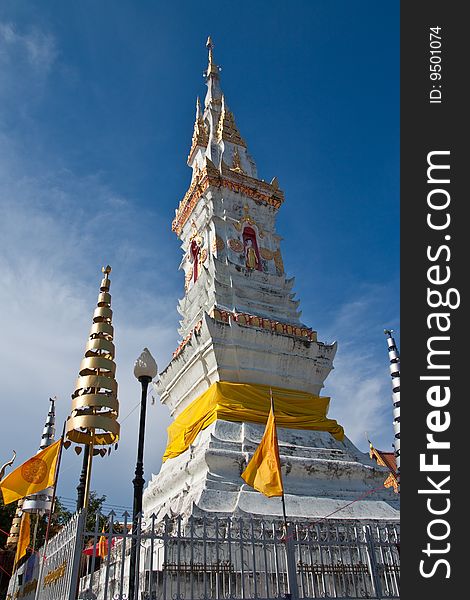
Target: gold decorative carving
x=218 y=244
x=26 y=590
x=194 y=331
x=203 y=256
x=266 y=253
x=56 y=574
x=248 y=320
x=187 y=278
x=260 y=191
x=278 y=262
x=236 y=163
x=227 y=129
x=235 y=245
x=195 y=235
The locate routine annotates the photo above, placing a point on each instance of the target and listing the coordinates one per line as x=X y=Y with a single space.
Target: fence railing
x=51 y=573
x=216 y=558
x=239 y=558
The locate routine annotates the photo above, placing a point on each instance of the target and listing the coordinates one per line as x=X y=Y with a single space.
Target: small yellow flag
x=34 y=475
x=263 y=472
x=23 y=538
x=102 y=546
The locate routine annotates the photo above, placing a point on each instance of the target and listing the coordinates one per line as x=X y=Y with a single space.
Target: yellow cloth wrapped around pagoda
x=249 y=402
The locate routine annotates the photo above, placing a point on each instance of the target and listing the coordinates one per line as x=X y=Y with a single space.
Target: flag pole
x=54 y=489
x=284 y=511
x=282 y=495
x=290 y=562
x=35 y=531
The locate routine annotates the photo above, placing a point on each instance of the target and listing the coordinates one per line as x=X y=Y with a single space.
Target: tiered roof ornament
x=227 y=129
x=95 y=407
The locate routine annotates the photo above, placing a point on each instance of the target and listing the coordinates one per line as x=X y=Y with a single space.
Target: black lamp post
x=145 y=370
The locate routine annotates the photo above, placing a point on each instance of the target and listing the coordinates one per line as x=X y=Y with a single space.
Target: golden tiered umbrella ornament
x=95 y=407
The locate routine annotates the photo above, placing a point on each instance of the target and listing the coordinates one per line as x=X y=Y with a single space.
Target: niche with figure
x=194 y=252
x=250 y=245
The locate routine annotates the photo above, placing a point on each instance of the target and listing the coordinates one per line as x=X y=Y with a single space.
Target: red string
x=5 y=532
x=6 y=572
x=27 y=548
x=285 y=538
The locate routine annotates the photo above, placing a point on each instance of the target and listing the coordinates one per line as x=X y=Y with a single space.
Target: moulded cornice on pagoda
x=260 y=191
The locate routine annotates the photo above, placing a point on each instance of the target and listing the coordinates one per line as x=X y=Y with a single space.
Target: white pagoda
x=242 y=337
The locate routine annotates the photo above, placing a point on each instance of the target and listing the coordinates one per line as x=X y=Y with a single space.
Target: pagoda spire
x=214 y=93
x=216 y=139
x=41 y=502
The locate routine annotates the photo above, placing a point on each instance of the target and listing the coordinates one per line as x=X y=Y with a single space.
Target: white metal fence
x=233 y=558
x=214 y=559
x=51 y=573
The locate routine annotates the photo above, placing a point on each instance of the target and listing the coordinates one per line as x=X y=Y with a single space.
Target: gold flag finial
x=95 y=406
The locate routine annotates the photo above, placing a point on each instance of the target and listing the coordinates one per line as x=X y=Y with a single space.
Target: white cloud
x=26 y=59
x=49 y=279
x=34 y=47
x=360 y=384
x=57 y=229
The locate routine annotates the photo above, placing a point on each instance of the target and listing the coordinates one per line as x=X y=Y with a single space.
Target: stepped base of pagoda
x=321 y=476
x=229 y=351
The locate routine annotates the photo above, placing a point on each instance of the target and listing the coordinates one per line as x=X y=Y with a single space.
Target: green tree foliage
x=95 y=507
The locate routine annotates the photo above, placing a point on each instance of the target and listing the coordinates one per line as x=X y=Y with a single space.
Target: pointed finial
x=105 y=283
x=198 y=108
x=106 y=270
x=212 y=68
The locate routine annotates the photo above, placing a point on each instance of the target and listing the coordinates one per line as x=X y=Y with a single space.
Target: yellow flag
x=102 y=546
x=34 y=475
x=23 y=538
x=263 y=472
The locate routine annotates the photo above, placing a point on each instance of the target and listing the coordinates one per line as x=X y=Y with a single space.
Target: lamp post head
x=145 y=366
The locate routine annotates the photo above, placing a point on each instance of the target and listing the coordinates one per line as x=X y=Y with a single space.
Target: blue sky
x=97 y=103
